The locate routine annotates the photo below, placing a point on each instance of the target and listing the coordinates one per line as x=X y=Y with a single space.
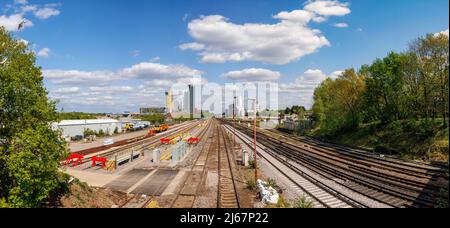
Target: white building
x=72 y=128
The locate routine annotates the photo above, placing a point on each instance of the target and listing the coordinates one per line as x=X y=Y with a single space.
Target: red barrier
x=96 y=159
x=151 y=133
x=193 y=141
x=74 y=159
x=165 y=141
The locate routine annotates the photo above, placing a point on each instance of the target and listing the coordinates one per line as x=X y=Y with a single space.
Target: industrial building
x=152 y=111
x=73 y=128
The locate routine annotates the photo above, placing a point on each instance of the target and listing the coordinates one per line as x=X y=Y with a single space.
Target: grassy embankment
x=410 y=139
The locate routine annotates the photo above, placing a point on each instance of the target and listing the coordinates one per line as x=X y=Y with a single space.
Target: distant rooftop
x=83 y=122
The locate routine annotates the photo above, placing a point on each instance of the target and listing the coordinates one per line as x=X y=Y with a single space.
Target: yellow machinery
x=161 y=128
x=129 y=126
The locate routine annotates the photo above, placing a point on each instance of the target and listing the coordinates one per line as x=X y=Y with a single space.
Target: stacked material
x=268 y=194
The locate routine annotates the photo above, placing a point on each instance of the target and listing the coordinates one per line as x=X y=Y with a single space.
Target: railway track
x=322 y=195
x=419 y=169
x=186 y=198
x=391 y=182
x=227 y=193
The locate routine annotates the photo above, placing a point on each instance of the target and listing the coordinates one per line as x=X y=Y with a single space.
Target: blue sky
x=113 y=56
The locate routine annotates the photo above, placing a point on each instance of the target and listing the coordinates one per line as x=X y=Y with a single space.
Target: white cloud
x=112 y=89
x=445 y=32
x=192 y=46
x=68 y=90
x=29 y=8
x=336 y=74
x=79 y=77
x=328 y=8
x=341 y=25
x=136 y=53
x=155 y=59
x=220 y=40
x=298 y=16
x=11 y=23
x=301 y=90
x=253 y=75
x=149 y=70
x=146 y=71
x=185 y=17
x=21 y=2
x=44 y=52
x=26 y=42
x=46 y=12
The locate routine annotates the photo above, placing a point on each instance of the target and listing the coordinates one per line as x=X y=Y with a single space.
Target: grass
x=283 y=203
x=250 y=184
x=303 y=202
x=251 y=164
x=272 y=183
x=424 y=139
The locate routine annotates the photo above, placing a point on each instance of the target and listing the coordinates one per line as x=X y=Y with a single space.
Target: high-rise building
x=169 y=102
x=191 y=101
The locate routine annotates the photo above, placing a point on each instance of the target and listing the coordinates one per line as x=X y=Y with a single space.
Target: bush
x=251 y=164
x=251 y=184
x=116 y=130
x=303 y=202
x=88 y=132
x=272 y=183
x=100 y=133
x=282 y=203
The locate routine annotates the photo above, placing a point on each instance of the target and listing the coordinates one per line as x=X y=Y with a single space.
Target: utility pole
x=234 y=121
x=255 y=154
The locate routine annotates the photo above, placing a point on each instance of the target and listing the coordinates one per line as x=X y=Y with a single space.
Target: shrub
x=303 y=202
x=272 y=183
x=251 y=184
x=282 y=203
x=100 y=133
x=88 y=132
x=251 y=164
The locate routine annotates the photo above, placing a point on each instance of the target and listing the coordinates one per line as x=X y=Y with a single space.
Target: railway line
x=411 y=167
x=187 y=194
x=227 y=193
x=391 y=182
x=217 y=143
x=322 y=195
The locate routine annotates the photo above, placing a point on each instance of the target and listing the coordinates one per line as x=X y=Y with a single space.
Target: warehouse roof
x=86 y=122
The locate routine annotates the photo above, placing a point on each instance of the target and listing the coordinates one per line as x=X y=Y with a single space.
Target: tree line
x=410 y=85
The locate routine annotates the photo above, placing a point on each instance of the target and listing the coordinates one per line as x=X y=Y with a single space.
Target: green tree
x=337 y=103
x=384 y=96
x=349 y=89
x=29 y=150
x=431 y=73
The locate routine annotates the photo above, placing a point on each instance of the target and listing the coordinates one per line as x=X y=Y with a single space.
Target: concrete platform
x=127 y=180
x=157 y=183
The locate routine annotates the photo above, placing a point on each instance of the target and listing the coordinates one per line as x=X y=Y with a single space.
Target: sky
x=117 y=55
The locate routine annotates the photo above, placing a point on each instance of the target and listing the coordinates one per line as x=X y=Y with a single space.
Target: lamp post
x=255 y=154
